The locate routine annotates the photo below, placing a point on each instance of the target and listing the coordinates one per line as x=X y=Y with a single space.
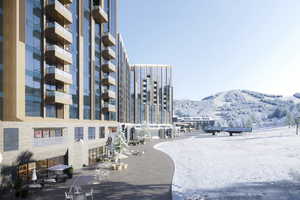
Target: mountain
x=243 y=108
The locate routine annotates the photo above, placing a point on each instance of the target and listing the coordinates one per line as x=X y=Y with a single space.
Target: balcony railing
x=56 y=10
x=56 y=54
x=107 y=107
x=108 y=80
x=108 y=39
x=59 y=75
x=58 y=33
x=66 y=1
x=99 y=15
x=108 y=67
x=108 y=53
x=109 y=94
x=56 y=97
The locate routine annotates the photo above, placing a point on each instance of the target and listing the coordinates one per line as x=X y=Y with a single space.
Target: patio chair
x=68 y=197
x=89 y=195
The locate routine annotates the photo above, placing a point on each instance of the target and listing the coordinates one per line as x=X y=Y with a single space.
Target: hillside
x=242 y=108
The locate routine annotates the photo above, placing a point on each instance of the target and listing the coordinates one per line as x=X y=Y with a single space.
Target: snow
x=238 y=107
x=264 y=164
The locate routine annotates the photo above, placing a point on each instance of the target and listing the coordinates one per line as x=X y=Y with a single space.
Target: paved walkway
x=148 y=177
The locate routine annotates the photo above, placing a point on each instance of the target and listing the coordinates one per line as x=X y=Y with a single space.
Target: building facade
x=124 y=77
x=58 y=80
x=152 y=97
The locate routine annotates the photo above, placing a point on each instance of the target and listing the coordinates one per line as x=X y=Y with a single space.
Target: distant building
x=196 y=122
x=153 y=94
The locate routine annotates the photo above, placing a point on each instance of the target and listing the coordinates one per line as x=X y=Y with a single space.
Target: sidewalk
x=148 y=177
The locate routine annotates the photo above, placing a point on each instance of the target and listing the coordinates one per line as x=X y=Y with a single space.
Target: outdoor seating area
x=76 y=193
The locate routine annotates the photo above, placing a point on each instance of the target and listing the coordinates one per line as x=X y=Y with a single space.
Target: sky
x=217 y=45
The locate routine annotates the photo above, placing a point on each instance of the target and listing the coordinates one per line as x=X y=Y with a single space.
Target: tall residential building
x=152 y=98
x=58 y=80
x=124 y=78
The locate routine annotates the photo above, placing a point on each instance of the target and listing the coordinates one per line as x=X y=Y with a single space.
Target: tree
x=249 y=123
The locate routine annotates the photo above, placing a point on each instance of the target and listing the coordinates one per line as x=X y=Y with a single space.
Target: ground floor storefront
x=39 y=145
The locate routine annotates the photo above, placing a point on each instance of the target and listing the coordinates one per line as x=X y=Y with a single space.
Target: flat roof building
x=58 y=79
x=153 y=93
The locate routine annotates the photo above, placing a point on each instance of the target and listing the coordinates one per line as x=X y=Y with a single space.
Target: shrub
x=69 y=172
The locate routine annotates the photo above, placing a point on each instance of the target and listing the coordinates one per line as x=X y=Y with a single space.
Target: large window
x=11 y=139
x=92 y=133
x=101 y=132
x=87 y=60
x=34 y=48
x=74 y=68
x=97 y=71
x=78 y=133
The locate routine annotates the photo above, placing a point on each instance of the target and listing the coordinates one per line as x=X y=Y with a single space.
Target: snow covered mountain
x=243 y=108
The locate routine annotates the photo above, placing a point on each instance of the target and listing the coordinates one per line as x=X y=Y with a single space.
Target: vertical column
x=93 y=110
x=81 y=49
x=14 y=60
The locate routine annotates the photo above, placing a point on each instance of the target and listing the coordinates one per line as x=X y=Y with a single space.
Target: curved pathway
x=149 y=176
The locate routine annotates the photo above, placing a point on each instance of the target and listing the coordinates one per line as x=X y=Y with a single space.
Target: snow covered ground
x=264 y=164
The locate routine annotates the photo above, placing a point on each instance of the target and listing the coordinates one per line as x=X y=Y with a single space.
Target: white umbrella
x=34 y=177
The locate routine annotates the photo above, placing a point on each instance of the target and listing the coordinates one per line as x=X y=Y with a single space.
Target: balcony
x=108 y=107
x=99 y=15
x=59 y=12
x=56 y=74
x=108 y=39
x=56 y=32
x=108 y=67
x=108 y=94
x=55 y=97
x=108 y=80
x=56 y=54
x=108 y=53
x=66 y=1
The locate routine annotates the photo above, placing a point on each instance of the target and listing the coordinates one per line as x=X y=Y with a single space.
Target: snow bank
x=258 y=165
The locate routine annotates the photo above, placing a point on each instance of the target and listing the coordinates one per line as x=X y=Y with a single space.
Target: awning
x=58 y=167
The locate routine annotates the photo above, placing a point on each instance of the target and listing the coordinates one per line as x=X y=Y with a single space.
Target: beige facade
x=56 y=40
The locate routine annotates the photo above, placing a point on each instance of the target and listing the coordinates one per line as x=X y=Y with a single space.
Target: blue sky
x=217 y=45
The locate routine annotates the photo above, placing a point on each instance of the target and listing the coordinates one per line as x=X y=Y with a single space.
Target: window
x=101 y=132
x=48 y=132
x=11 y=139
x=58 y=132
x=92 y=133
x=78 y=133
x=38 y=133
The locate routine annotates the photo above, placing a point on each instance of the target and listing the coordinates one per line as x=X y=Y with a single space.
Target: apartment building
x=152 y=94
x=124 y=78
x=58 y=80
